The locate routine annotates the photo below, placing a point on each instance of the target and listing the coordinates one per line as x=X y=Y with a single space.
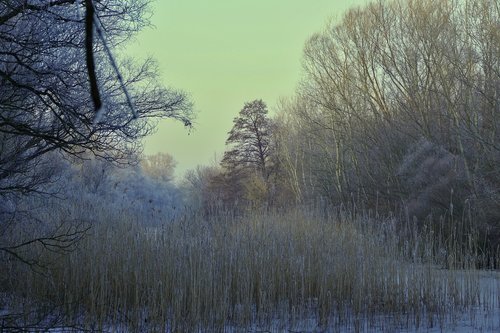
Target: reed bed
x=268 y=271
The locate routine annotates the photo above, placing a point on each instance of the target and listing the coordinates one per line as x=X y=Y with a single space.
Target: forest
x=368 y=202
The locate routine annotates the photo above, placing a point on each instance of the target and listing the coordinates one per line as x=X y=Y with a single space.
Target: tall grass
x=263 y=270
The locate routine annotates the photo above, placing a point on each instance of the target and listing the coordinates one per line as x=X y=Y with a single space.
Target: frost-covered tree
x=159 y=167
x=46 y=103
x=66 y=95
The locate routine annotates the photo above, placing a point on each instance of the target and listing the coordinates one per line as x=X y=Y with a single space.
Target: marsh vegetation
x=300 y=269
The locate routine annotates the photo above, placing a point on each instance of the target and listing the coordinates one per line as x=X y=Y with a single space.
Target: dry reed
x=263 y=270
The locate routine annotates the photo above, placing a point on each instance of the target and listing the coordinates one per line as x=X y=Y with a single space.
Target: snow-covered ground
x=484 y=317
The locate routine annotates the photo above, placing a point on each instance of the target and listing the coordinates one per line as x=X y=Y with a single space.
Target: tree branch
x=26 y=6
x=89 y=52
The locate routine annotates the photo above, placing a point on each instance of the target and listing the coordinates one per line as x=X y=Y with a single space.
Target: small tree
x=160 y=167
x=202 y=190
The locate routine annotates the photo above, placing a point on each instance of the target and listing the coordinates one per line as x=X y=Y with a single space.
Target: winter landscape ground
x=293 y=271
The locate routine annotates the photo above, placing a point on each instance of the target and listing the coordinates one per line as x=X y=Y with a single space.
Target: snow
x=484 y=318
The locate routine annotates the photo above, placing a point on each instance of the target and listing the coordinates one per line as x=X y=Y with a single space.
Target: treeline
x=398 y=111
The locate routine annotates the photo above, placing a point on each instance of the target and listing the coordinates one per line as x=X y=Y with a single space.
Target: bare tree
x=65 y=92
x=160 y=166
x=201 y=189
x=45 y=101
x=386 y=78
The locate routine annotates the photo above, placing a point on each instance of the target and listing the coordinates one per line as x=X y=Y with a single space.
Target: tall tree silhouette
x=250 y=140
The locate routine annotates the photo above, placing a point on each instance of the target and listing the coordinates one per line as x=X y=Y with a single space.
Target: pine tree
x=250 y=141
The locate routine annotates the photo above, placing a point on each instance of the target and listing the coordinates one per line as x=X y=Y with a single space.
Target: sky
x=224 y=53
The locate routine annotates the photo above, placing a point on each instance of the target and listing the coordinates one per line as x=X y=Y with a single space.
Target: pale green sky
x=225 y=53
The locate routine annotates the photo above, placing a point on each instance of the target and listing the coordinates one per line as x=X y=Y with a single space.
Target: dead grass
x=266 y=270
